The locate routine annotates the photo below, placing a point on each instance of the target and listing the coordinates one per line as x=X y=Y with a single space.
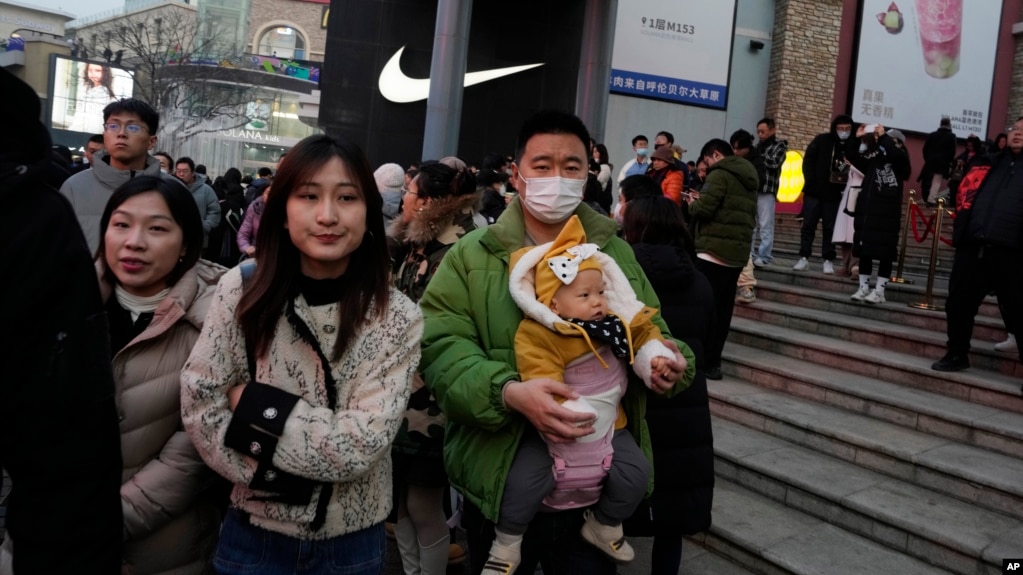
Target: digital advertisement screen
x=80 y=91
x=675 y=50
x=921 y=60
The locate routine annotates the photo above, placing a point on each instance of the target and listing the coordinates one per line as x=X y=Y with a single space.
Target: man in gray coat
x=205 y=197
x=129 y=132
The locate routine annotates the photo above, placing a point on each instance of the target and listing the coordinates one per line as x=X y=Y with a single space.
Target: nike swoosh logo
x=400 y=89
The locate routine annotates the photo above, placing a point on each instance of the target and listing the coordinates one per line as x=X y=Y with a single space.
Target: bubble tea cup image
x=941 y=24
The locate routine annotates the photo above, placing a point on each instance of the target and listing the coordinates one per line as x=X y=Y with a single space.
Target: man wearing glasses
x=129 y=132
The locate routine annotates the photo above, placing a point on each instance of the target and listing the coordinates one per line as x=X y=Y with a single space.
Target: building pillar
x=447 y=73
x=591 y=91
x=804 y=60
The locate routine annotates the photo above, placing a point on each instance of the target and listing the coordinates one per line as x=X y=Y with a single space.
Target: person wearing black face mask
x=825 y=174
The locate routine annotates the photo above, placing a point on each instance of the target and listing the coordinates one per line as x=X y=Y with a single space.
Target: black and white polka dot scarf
x=609 y=330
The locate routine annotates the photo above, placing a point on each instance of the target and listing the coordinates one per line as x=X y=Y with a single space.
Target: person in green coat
x=469 y=357
x=723 y=217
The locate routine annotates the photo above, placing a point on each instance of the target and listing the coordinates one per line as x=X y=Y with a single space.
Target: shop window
x=283 y=42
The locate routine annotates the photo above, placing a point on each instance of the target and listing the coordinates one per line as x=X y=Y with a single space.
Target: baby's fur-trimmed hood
x=621 y=300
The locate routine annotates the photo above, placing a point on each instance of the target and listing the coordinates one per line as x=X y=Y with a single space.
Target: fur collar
x=435 y=221
x=621 y=300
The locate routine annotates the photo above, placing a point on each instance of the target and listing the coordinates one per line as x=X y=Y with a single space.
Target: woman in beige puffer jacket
x=170 y=520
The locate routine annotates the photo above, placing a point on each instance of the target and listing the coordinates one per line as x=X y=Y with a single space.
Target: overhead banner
x=921 y=60
x=675 y=50
x=81 y=89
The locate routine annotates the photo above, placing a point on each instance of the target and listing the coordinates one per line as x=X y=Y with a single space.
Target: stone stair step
x=982 y=426
x=916 y=266
x=913 y=520
x=780 y=272
x=975 y=475
x=877 y=333
x=768 y=537
x=973 y=385
x=987 y=329
x=914 y=251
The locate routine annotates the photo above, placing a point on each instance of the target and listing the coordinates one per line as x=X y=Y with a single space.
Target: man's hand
x=661 y=382
x=535 y=399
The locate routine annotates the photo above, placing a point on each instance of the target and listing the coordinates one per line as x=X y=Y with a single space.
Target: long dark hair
x=106 y=80
x=182 y=208
x=656 y=220
x=274 y=281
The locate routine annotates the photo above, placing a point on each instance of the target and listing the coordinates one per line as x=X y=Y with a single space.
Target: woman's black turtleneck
x=322 y=292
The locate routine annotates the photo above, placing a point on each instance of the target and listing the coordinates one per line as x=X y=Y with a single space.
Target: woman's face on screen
x=95 y=72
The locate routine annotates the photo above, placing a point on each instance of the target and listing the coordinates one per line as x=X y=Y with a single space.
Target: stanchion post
x=928 y=302
x=905 y=234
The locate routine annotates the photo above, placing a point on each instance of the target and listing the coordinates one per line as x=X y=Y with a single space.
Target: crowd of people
x=255 y=375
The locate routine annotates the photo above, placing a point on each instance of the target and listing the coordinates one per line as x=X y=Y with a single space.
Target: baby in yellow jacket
x=583 y=326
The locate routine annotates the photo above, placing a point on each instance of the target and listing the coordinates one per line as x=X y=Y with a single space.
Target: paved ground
x=699 y=561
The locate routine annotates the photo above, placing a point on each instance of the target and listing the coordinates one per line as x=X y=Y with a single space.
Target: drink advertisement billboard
x=921 y=60
x=675 y=50
x=80 y=91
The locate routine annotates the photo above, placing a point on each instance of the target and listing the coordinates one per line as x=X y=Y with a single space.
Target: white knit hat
x=389 y=177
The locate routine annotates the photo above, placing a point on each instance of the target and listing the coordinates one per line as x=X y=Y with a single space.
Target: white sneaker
x=861 y=294
x=608 y=538
x=503 y=560
x=801 y=265
x=874 y=297
x=829 y=268
x=759 y=262
x=1008 y=345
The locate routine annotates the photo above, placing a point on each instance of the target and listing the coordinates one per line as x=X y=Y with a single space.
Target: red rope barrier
x=914 y=211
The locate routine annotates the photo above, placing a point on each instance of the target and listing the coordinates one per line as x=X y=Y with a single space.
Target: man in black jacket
x=825 y=174
x=988 y=237
x=59 y=437
x=939 y=153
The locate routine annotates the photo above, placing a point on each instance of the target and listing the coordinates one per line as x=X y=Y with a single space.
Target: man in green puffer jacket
x=469 y=357
x=723 y=220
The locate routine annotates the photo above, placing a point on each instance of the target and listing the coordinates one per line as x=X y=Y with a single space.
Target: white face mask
x=843 y=135
x=617 y=215
x=552 y=200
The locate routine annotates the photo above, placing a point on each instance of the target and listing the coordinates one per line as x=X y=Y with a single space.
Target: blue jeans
x=250 y=550
x=765 y=221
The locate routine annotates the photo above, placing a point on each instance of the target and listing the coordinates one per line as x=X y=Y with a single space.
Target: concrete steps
x=836 y=443
x=988 y=329
x=973 y=385
x=878 y=333
x=780 y=272
x=921 y=523
x=772 y=538
x=917 y=409
x=982 y=477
